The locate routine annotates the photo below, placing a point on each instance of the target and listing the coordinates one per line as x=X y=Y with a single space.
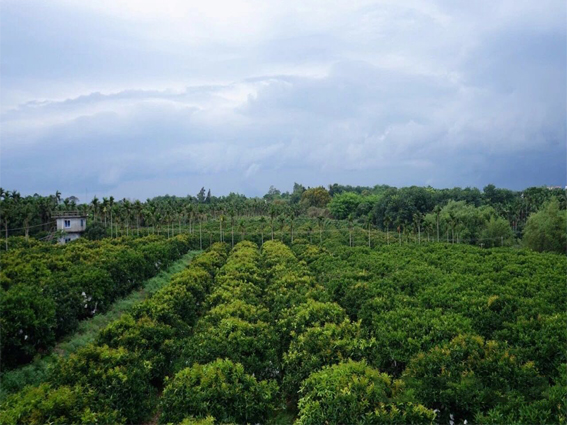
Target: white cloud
x=162 y=90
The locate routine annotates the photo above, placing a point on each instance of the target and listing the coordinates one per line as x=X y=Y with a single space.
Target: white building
x=72 y=223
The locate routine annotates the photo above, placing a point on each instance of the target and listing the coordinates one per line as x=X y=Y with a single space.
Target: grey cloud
x=423 y=94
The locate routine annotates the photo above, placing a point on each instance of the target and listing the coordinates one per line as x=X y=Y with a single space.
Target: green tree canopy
x=546 y=230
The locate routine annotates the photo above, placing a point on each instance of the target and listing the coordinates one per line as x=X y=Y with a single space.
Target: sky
x=140 y=98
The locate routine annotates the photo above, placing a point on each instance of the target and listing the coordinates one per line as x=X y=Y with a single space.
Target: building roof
x=68 y=214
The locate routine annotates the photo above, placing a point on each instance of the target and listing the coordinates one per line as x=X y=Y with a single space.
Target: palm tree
x=320 y=222
x=437 y=211
x=369 y=220
x=7 y=211
x=273 y=213
x=281 y=220
x=95 y=204
x=104 y=208
x=242 y=229
x=262 y=224
x=111 y=205
x=138 y=209
x=292 y=221
x=128 y=211
x=452 y=223
x=28 y=213
x=350 y=225
x=221 y=220
x=309 y=227
x=387 y=222
x=231 y=213
x=190 y=214
x=200 y=217
x=417 y=221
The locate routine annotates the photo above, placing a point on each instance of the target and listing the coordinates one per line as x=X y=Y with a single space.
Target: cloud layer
x=145 y=98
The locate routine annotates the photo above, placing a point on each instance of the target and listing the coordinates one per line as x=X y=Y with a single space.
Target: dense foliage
x=117 y=378
x=45 y=290
x=491 y=217
x=396 y=334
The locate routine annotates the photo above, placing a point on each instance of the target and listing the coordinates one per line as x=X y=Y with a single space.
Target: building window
x=67 y=223
x=67 y=240
x=81 y=222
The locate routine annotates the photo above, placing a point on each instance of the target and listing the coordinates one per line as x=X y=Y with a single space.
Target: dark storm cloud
x=369 y=93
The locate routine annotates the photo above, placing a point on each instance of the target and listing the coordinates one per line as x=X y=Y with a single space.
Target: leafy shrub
x=404 y=332
x=118 y=379
x=95 y=231
x=319 y=346
x=468 y=376
x=251 y=344
x=545 y=229
x=299 y=317
x=64 y=405
x=50 y=288
x=173 y=305
x=28 y=323
x=221 y=389
x=150 y=340
x=354 y=393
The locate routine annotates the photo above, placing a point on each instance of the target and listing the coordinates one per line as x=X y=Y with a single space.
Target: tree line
x=490 y=217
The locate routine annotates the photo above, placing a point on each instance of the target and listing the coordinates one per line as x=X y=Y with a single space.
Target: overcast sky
x=138 y=98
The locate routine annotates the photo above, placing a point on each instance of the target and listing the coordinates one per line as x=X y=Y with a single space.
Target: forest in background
x=491 y=217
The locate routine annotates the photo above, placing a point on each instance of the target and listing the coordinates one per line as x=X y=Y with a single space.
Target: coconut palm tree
x=292 y=215
x=104 y=208
x=221 y=221
x=309 y=228
x=320 y=219
x=138 y=212
x=350 y=228
x=262 y=225
x=437 y=211
x=281 y=220
x=387 y=222
x=111 y=206
x=94 y=204
x=273 y=213
x=200 y=218
x=417 y=222
x=231 y=214
x=369 y=220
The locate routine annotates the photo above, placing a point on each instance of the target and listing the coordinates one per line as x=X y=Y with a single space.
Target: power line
x=31 y=227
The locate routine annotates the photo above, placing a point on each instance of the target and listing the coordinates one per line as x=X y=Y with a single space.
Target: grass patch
x=37 y=371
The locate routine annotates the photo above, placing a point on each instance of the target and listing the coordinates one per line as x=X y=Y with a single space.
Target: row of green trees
x=45 y=290
x=441 y=213
x=476 y=335
x=333 y=333
x=117 y=378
